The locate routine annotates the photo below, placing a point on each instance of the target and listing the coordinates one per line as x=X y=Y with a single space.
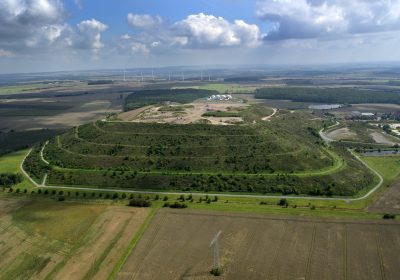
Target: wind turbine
x=124 y=76
x=214 y=243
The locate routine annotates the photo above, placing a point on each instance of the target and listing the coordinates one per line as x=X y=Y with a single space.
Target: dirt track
x=176 y=246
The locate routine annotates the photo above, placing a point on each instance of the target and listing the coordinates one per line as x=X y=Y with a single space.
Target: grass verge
x=133 y=243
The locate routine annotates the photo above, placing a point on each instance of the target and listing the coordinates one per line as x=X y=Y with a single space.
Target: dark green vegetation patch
x=10 y=179
x=14 y=141
x=329 y=95
x=142 y=98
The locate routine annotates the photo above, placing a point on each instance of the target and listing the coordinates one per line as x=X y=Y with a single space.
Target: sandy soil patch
x=185 y=114
x=381 y=139
x=341 y=134
x=224 y=120
x=131 y=115
x=97 y=103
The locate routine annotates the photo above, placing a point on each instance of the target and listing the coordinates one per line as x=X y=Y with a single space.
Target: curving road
x=267 y=118
x=321 y=132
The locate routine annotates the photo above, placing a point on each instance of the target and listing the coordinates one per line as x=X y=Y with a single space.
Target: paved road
x=326 y=139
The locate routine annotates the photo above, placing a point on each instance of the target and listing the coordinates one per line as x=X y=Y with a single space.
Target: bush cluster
x=10 y=179
x=139 y=202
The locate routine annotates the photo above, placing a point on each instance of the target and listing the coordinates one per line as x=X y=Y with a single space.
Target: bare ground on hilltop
x=187 y=113
x=176 y=246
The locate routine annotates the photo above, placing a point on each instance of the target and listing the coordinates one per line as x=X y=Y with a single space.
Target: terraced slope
x=283 y=156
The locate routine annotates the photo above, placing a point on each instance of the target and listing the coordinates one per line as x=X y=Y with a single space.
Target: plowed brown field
x=176 y=246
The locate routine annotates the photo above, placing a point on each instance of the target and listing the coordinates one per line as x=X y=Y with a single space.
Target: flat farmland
x=45 y=239
x=176 y=246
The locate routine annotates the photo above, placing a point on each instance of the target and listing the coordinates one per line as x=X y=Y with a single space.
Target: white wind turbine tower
x=169 y=76
x=152 y=74
x=209 y=77
x=214 y=243
x=183 y=77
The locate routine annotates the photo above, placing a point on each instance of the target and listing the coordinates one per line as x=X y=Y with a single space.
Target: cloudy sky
x=48 y=35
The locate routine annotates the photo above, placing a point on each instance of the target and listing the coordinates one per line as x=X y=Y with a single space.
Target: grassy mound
x=284 y=156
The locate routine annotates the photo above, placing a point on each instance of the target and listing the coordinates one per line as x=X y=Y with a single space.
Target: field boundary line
x=99 y=261
x=276 y=251
x=345 y=252
x=132 y=244
x=311 y=252
x=379 y=249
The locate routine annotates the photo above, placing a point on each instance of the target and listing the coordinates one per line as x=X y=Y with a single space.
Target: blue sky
x=50 y=35
x=172 y=11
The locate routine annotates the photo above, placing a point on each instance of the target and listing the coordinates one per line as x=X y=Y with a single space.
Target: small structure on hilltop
x=220 y=97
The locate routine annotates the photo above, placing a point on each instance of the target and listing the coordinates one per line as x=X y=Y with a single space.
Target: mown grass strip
x=96 y=265
x=132 y=244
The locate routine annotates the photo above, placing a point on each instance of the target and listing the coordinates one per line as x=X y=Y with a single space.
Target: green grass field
x=57 y=221
x=10 y=163
x=46 y=238
x=387 y=166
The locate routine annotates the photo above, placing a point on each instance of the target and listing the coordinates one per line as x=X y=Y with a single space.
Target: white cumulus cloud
x=90 y=34
x=143 y=21
x=210 y=31
x=193 y=32
x=323 y=18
